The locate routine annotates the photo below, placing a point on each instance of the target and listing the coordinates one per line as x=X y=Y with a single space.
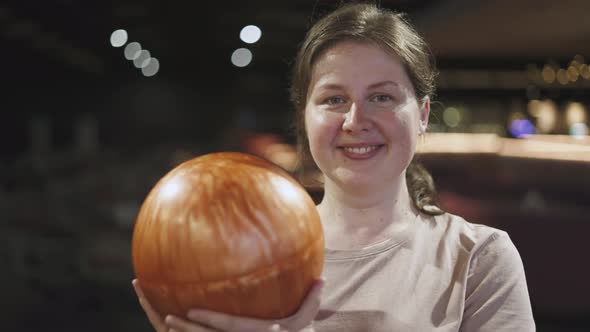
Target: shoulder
x=490 y=250
x=469 y=236
x=496 y=292
x=487 y=247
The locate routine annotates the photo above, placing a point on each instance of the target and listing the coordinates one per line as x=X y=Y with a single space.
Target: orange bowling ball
x=228 y=232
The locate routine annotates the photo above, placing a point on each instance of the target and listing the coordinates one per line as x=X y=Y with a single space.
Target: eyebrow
x=331 y=86
x=381 y=84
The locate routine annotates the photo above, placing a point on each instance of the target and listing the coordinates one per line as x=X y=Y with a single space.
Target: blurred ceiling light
x=575 y=113
x=548 y=74
x=533 y=107
x=546 y=114
x=452 y=117
x=250 y=34
x=241 y=57
x=119 y=38
x=143 y=59
x=579 y=58
x=585 y=71
x=132 y=50
x=152 y=68
x=572 y=73
x=521 y=128
x=579 y=130
x=575 y=64
x=562 y=76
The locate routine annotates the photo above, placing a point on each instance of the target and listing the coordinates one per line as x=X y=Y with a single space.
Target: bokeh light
x=241 y=57
x=250 y=34
x=575 y=113
x=546 y=114
x=533 y=107
x=132 y=50
x=152 y=68
x=452 y=117
x=579 y=130
x=572 y=73
x=118 y=38
x=562 y=76
x=585 y=71
x=548 y=74
x=142 y=59
x=521 y=128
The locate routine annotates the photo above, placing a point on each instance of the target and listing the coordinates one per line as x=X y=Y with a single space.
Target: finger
x=178 y=324
x=308 y=309
x=276 y=328
x=311 y=303
x=154 y=318
x=225 y=322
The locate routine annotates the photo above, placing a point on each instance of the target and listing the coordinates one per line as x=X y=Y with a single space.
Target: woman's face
x=362 y=116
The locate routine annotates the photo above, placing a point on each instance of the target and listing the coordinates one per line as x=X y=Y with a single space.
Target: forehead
x=359 y=60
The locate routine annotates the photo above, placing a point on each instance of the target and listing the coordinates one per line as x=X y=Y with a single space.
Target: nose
x=356 y=120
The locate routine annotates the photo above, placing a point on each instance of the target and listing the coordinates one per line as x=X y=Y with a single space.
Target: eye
x=335 y=100
x=382 y=98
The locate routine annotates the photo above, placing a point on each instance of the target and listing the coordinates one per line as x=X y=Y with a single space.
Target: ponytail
x=421 y=189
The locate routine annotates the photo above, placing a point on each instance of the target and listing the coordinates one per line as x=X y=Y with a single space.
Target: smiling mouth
x=361 y=150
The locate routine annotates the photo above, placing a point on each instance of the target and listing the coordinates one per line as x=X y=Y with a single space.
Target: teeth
x=361 y=150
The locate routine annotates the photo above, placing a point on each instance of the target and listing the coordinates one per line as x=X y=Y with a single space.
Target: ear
x=424 y=114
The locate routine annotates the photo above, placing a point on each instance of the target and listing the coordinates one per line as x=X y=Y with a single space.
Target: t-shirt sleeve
x=496 y=297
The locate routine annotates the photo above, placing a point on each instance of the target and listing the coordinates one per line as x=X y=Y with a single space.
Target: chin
x=355 y=181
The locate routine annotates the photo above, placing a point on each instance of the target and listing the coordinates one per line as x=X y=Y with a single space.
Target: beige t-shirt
x=441 y=274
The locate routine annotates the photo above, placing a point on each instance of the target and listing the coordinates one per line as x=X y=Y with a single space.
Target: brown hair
x=390 y=31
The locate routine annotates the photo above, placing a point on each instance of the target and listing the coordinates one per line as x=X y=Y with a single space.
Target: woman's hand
x=209 y=321
x=154 y=318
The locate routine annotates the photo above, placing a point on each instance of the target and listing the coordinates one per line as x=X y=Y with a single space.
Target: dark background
x=84 y=136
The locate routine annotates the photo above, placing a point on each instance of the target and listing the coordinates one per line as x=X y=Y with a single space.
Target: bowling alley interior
x=101 y=99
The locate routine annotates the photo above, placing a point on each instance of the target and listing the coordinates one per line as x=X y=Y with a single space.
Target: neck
x=357 y=219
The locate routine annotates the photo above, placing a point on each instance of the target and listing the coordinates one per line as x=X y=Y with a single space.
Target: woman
x=361 y=85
